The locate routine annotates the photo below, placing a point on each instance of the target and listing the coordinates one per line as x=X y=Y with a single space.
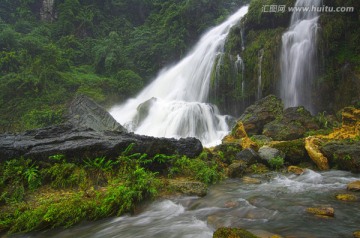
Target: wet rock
x=226 y=232
x=249 y=180
x=296 y=170
x=346 y=197
x=143 y=110
x=239 y=135
x=294 y=123
x=228 y=151
x=231 y=204
x=343 y=155
x=187 y=187
x=321 y=211
x=264 y=234
x=249 y=156
x=90 y=132
x=312 y=147
x=356 y=234
x=262 y=112
x=236 y=170
x=295 y=152
x=267 y=153
x=85 y=113
x=354 y=186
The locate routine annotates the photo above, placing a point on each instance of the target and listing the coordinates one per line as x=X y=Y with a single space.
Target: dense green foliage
x=105 y=49
x=39 y=195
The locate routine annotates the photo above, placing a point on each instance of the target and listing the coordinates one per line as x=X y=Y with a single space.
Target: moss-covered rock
x=294 y=150
x=346 y=197
x=294 y=123
x=226 y=232
x=343 y=154
x=187 y=187
x=262 y=112
x=227 y=152
x=321 y=211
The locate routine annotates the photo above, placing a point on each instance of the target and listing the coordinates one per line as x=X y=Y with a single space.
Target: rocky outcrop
x=90 y=132
x=294 y=123
x=262 y=112
x=85 y=113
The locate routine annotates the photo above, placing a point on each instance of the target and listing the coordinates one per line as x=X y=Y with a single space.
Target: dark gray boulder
x=84 y=112
x=256 y=116
x=90 y=132
x=249 y=156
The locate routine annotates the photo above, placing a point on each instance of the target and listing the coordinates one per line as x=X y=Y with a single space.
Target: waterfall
x=298 y=56
x=174 y=104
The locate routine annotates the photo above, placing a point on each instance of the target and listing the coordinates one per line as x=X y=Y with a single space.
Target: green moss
x=225 y=232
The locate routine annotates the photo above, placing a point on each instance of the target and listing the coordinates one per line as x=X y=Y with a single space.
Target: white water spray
x=298 y=56
x=178 y=95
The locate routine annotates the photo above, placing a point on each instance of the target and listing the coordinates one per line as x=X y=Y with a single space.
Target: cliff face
x=257 y=41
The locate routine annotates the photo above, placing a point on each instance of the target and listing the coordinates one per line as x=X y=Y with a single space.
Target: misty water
x=277 y=205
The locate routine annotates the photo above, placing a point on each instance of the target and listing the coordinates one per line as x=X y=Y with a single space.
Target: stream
x=277 y=205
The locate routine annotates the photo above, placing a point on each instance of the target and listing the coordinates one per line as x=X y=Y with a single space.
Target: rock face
x=84 y=112
x=81 y=137
x=262 y=112
x=294 y=123
x=345 y=155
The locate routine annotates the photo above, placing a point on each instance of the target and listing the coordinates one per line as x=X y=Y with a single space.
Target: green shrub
x=276 y=162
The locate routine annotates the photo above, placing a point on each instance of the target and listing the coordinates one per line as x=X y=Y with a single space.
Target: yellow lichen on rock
x=356 y=234
x=346 y=197
x=312 y=147
x=296 y=170
x=239 y=135
x=350 y=128
x=354 y=186
x=321 y=211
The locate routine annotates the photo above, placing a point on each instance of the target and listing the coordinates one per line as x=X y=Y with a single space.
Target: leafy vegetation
x=107 y=50
x=37 y=195
x=276 y=162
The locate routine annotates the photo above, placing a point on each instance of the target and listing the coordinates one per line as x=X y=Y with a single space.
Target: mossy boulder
x=227 y=151
x=237 y=169
x=187 y=187
x=226 y=232
x=294 y=150
x=293 y=124
x=343 y=154
x=262 y=112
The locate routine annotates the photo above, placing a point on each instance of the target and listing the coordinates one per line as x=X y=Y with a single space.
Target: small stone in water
x=249 y=180
x=356 y=234
x=354 y=186
x=346 y=197
x=321 y=211
x=296 y=170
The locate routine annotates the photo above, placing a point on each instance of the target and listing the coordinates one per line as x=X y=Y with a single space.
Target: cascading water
x=174 y=104
x=298 y=56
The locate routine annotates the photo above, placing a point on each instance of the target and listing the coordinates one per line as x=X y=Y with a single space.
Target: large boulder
x=293 y=124
x=85 y=113
x=256 y=116
x=267 y=153
x=249 y=156
x=76 y=143
x=90 y=132
x=295 y=152
x=343 y=154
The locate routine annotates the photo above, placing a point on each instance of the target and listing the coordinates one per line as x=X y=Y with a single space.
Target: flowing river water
x=277 y=205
